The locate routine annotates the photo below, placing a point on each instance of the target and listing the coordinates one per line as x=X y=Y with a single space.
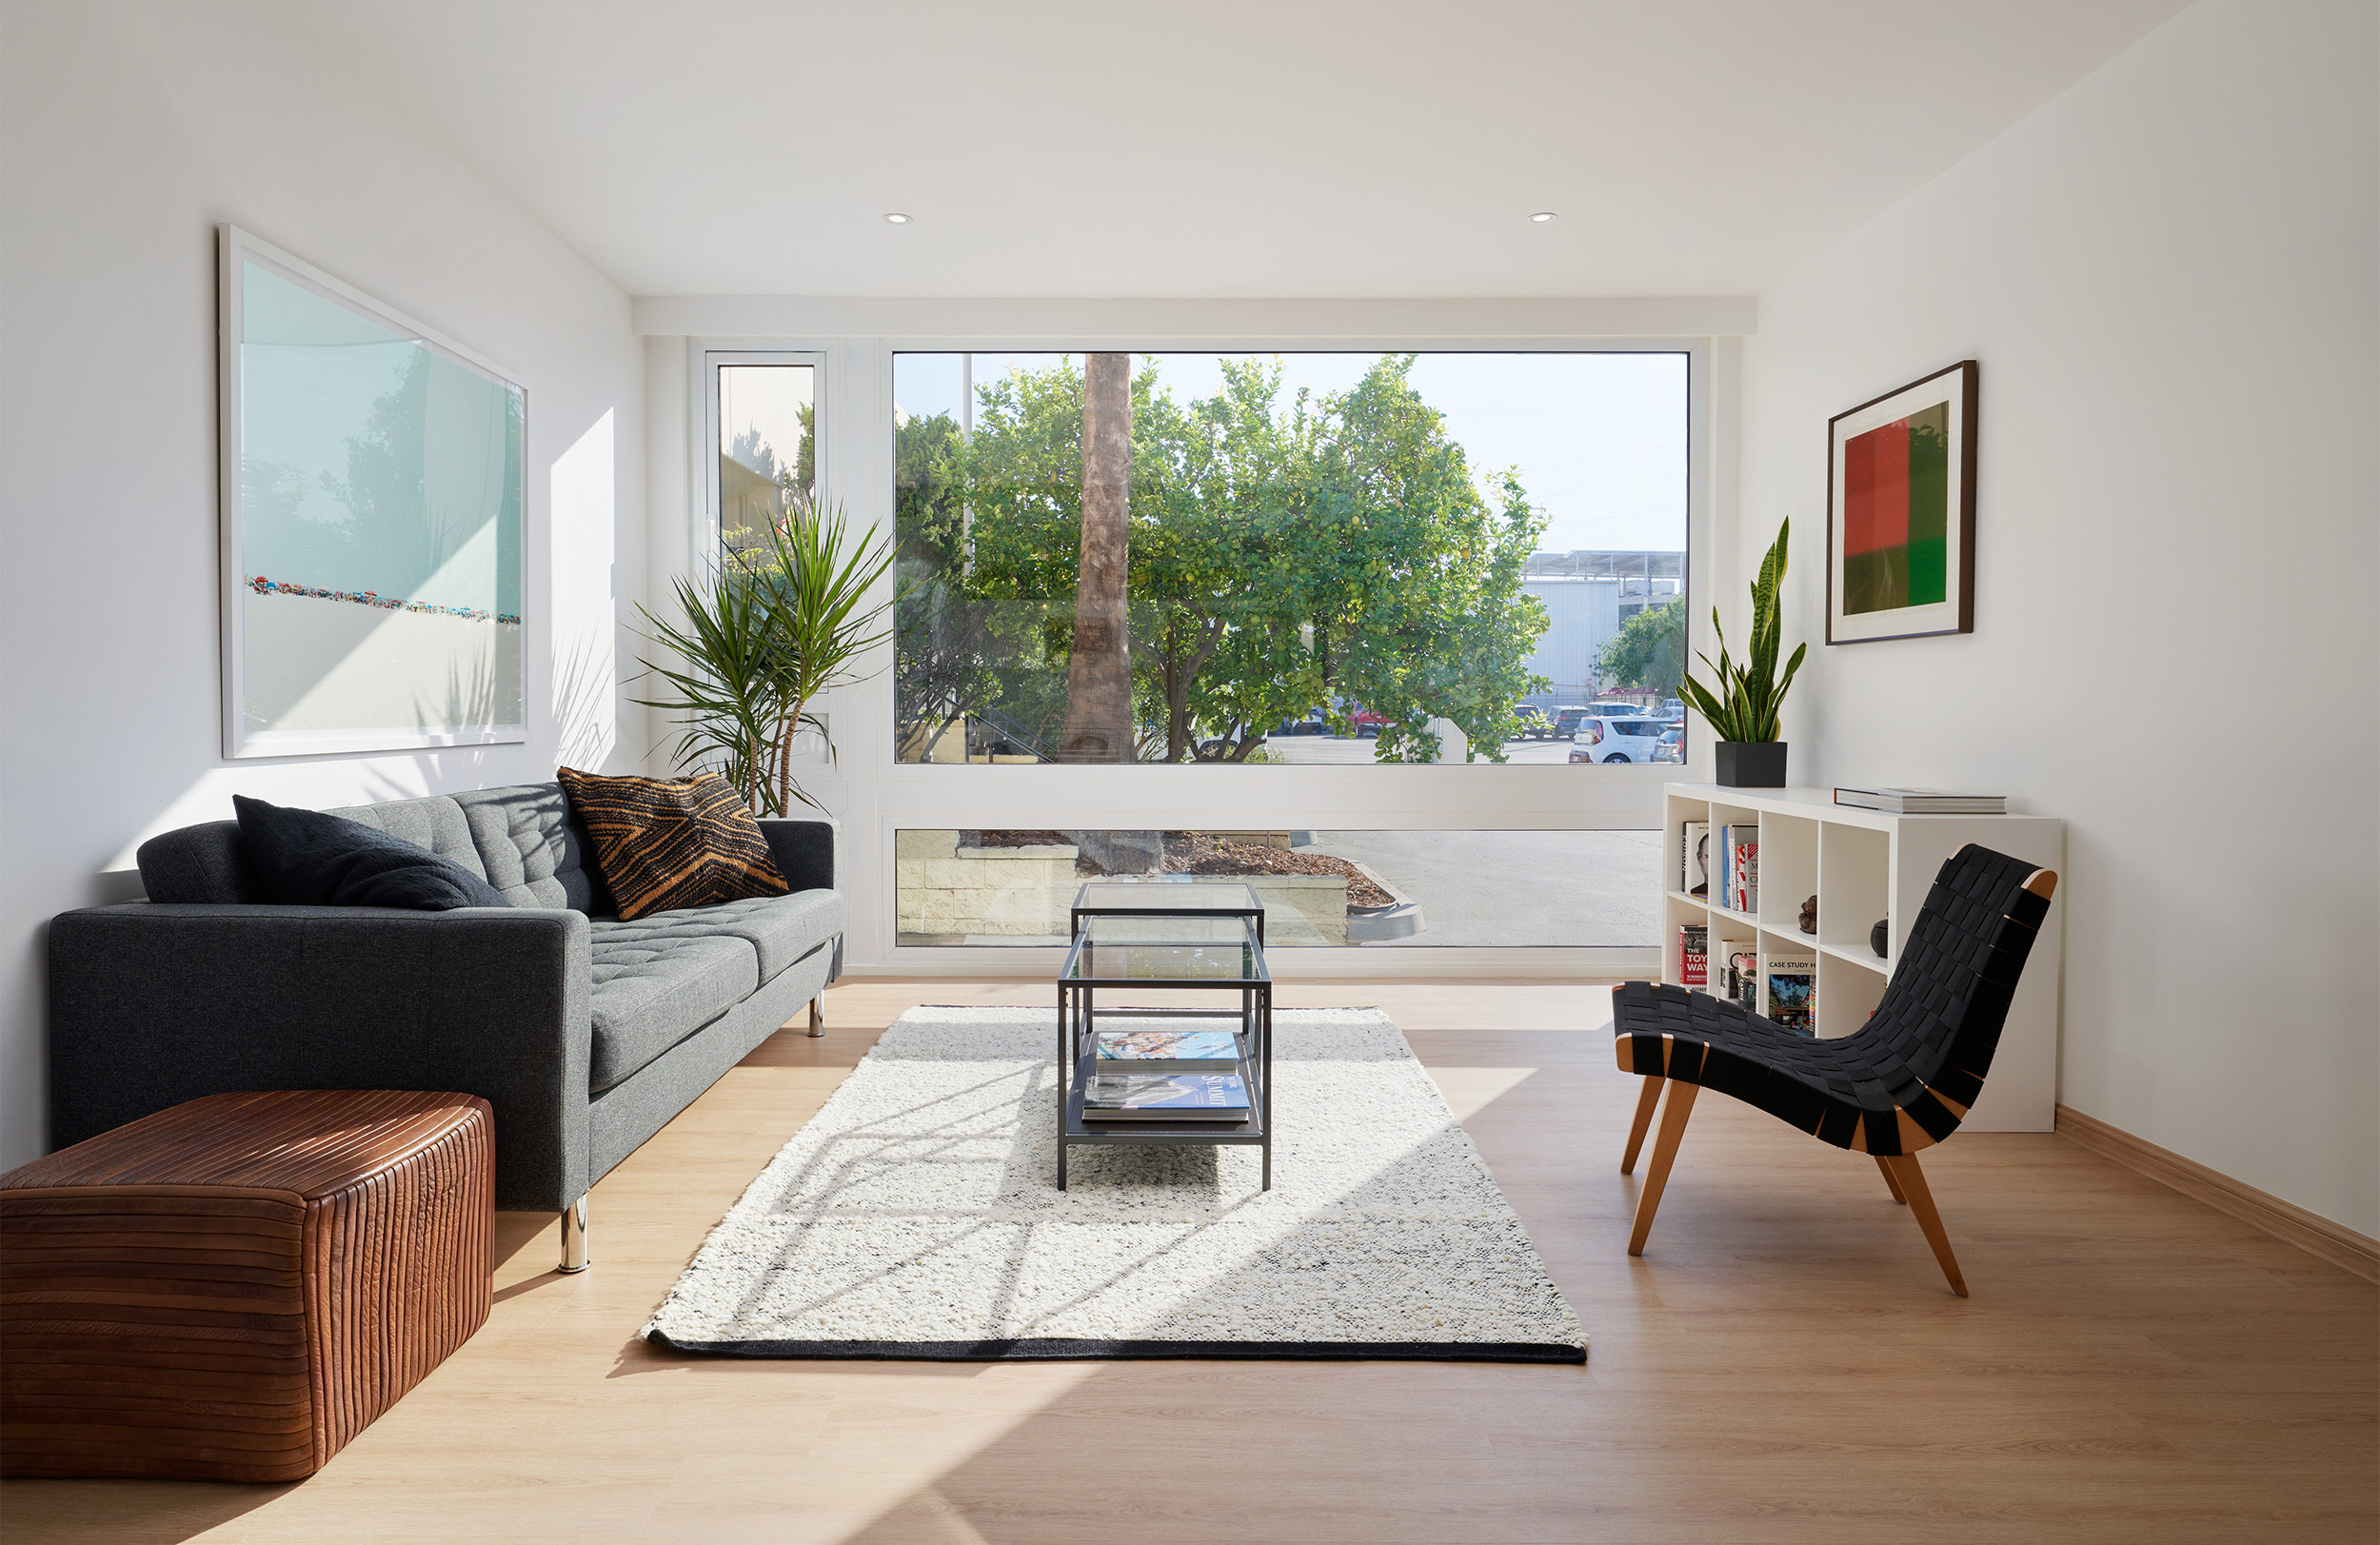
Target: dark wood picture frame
x=1959 y=386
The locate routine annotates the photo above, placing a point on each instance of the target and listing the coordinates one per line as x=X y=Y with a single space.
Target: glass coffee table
x=1118 y=952
x=1173 y=896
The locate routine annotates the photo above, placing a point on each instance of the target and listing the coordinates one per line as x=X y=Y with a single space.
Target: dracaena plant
x=779 y=624
x=1744 y=704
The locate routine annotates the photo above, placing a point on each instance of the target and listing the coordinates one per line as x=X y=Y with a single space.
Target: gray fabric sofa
x=586 y=1033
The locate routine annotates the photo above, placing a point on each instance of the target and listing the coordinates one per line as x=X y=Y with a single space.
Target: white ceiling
x=1217 y=148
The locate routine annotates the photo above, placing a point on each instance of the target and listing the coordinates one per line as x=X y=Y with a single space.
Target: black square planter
x=1752 y=764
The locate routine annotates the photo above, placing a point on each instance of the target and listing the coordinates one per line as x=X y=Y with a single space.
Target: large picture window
x=1257 y=560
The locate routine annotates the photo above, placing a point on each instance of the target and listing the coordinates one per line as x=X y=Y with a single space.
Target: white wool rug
x=918 y=1216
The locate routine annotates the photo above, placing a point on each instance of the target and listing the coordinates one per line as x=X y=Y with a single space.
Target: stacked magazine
x=1923 y=802
x=1165 y=1076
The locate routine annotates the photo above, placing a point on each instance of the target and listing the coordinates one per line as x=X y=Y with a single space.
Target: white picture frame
x=404 y=640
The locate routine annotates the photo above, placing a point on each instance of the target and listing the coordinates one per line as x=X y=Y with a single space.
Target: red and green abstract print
x=1897 y=513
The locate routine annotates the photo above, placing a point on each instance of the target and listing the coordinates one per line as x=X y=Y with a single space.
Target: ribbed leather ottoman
x=232 y=1289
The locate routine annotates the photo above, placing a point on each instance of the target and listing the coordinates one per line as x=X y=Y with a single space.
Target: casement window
x=762 y=429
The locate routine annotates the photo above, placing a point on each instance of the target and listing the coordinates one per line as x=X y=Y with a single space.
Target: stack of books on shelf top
x=1165 y=1076
x=1923 y=802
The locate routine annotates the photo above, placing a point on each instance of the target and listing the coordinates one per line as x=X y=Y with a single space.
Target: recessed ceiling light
x=903 y=219
x=1541 y=217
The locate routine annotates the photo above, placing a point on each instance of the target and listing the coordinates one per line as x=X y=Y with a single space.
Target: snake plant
x=1744 y=705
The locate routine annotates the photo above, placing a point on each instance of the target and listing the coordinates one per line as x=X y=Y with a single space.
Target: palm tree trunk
x=1099 y=669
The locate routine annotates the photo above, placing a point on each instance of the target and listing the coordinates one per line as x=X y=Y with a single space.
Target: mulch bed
x=1192 y=853
x=1016 y=839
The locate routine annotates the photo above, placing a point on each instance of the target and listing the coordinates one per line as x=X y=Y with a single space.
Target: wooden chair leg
x=1645 y=1102
x=1903 y=1169
x=1674 y=1110
x=1895 y=1186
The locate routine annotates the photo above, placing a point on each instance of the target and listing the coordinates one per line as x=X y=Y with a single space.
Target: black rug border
x=1086 y=1349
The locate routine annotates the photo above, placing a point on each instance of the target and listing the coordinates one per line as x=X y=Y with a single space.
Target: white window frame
x=704 y=359
x=876 y=795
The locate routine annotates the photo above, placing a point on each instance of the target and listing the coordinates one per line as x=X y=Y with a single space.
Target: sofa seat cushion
x=657 y=981
x=781 y=929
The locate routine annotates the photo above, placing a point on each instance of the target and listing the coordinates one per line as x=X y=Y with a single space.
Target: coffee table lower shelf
x=1159 y=1134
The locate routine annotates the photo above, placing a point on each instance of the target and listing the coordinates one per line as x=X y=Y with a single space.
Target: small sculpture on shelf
x=1880 y=936
x=1810 y=916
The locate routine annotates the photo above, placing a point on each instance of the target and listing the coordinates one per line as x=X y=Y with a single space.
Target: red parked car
x=1368 y=722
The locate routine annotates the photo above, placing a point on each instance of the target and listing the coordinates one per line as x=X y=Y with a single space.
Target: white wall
x=129 y=129
x=2169 y=276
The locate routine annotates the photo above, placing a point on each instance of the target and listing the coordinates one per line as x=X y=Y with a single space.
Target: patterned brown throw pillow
x=667 y=843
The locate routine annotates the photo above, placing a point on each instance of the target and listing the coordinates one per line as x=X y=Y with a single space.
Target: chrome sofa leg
x=818 y=1017
x=574 y=1237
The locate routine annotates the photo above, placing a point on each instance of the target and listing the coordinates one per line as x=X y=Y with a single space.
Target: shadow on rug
x=918 y=1216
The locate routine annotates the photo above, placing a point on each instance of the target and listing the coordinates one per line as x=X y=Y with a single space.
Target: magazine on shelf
x=1166 y=1051
x=1695 y=879
x=1180 y=1097
x=1742 y=982
x=1693 y=955
x=1793 y=992
x=1923 y=802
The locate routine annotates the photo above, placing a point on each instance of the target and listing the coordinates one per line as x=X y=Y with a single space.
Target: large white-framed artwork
x=372 y=483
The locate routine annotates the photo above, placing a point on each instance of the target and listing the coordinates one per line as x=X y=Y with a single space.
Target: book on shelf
x=1693 y=955
x=1165 y=1051
x=1742 y=982
x=1793 y=992
x=1740 y=866
x=1923 y=802
x=1177 y=1097
x=1694 y=877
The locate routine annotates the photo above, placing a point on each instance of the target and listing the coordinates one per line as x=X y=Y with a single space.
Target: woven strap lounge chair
x=1901 y=1083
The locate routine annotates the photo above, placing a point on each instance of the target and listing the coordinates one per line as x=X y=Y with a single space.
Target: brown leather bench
x=233 y=1288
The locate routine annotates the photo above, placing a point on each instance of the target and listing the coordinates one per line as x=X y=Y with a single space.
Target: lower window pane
x=1378 y=890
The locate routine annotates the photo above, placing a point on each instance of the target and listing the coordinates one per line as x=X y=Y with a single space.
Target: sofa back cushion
x=309 y=857
x=534 y=849
x=434 y=821
x=523 y=840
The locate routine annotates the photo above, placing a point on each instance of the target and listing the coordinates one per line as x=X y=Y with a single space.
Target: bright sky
x=1599 y=439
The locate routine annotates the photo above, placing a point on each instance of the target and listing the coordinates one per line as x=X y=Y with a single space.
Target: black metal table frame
x=1078 y=1012
x=1254 y=913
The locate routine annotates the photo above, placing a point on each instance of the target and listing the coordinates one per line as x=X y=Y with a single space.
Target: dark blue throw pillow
x=305 y=857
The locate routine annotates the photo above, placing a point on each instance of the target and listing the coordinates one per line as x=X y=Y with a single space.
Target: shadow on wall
x=585 y=728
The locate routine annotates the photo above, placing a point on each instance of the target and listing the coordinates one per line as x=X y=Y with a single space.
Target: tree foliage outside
x=1334 y=552
x=1648 y=654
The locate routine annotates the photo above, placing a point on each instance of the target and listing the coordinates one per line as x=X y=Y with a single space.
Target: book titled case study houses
x=1739 y=868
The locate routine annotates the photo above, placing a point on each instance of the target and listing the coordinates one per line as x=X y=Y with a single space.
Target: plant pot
x=1752 y=764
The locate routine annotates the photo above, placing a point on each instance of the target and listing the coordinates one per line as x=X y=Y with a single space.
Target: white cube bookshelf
x=1863 y=867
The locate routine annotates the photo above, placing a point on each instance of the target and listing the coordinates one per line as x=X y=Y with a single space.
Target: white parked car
x=1617 y=739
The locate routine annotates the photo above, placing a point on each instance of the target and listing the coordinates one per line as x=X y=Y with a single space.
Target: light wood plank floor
x=1784 y=1363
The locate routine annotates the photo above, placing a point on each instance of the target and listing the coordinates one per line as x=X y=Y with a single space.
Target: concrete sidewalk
x=1514 y=887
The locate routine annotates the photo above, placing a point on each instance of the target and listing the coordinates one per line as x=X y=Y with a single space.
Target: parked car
x=1566 y=721
x=1368 y=723
x=1617 y=739
x=1534 y=725
x=1672 y=747
x=1314 y=722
